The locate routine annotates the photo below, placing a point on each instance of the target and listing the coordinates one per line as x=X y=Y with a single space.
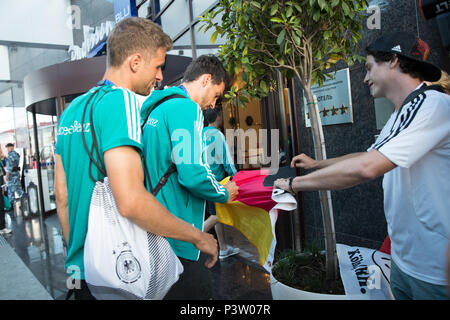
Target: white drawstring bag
x=121 y=260
x=119 y=255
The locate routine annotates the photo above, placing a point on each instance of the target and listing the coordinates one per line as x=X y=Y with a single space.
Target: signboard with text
x=124 y=9
x=334 y=100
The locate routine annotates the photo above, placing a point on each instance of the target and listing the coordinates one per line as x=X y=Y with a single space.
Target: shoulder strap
x=94 y=147
x=421 y=90
x=173 y=96
x=172 y=167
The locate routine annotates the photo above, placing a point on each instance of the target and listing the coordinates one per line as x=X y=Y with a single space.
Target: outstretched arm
x=307 y=163
x=342 y=174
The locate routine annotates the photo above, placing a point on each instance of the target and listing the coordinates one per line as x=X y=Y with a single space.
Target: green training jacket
x=173 y=132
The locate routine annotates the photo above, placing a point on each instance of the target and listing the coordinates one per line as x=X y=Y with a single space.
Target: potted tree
x=302 y=39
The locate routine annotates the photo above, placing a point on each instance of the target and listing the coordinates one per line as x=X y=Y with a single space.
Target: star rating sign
x=325 y=111
x=343 y=109
x=334 y=111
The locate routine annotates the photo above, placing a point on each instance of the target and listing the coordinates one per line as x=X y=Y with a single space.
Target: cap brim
x=428 y=70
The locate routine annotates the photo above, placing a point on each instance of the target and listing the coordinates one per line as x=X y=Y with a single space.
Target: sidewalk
x=35 y=267
x=16 y=280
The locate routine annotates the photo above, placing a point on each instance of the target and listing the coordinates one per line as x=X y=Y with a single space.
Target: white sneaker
x=230 y=251
x=5 y=231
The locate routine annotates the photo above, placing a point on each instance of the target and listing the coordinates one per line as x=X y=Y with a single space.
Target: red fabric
x=252 y=192
x=386 y=246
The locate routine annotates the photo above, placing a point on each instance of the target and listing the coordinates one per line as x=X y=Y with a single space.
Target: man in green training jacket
x=172 y=133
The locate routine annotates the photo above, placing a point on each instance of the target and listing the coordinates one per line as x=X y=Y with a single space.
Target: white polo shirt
x=417 y=191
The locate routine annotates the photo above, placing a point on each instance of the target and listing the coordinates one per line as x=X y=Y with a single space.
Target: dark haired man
x=172 y=134
x=13 y=173
x=413 y=153
x=136 y=53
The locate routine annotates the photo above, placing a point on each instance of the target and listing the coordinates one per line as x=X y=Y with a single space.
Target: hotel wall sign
x=96 y=37
x=334 y=100
x=124 y=9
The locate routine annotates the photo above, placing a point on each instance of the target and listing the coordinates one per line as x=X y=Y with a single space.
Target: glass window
x=184 y=40
x=207 y=51
x=175 y=18
x=383 y=111
x=183 y=46
x=199 y=6
x=46 y=128
x=181 y=52
x=6 y=119
x=162 y=3
x=144 y=10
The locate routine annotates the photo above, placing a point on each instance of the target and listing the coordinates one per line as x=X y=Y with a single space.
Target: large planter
x=281 y=291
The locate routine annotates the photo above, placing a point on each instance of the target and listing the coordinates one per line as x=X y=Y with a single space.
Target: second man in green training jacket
x=172 y=133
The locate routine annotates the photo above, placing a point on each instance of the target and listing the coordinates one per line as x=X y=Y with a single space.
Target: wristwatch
x=291 y=190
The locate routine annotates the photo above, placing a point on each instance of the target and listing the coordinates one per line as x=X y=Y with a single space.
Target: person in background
x=443 y=82
x=222 y=165
x=13 y=174
x=3 y=229
x=3 y=158
x=413 y=153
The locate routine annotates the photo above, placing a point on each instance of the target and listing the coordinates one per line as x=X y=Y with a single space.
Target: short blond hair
x=135 y=35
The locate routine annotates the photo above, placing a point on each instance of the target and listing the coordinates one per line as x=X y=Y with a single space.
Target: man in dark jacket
x=3 y=229
x=13 y=173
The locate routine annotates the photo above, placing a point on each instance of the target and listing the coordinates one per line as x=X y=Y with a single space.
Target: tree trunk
x=324 y=195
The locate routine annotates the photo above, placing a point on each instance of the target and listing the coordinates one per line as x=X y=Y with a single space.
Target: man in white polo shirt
x=413 y=153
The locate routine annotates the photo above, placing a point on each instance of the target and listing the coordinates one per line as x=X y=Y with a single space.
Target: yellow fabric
x=253 y=222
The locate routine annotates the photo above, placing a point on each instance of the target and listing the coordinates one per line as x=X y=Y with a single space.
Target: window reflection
x=46 y=128
x=199 y=6
x=175 y=18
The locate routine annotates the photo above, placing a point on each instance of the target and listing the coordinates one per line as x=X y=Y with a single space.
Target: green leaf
x=243 y=100
x=280 y=37
x=256 y=4
x=296 y=39
x=273 y=9
x=277 y=20
x=316 y=16
x=298 y=7
x=289 y=12
x=334 y=3
x=214 y=37
x=346 y=8
x=263 y=86
x=322 y=4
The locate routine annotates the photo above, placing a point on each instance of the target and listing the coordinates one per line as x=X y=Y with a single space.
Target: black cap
x=9 y=145
x=411 y=47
